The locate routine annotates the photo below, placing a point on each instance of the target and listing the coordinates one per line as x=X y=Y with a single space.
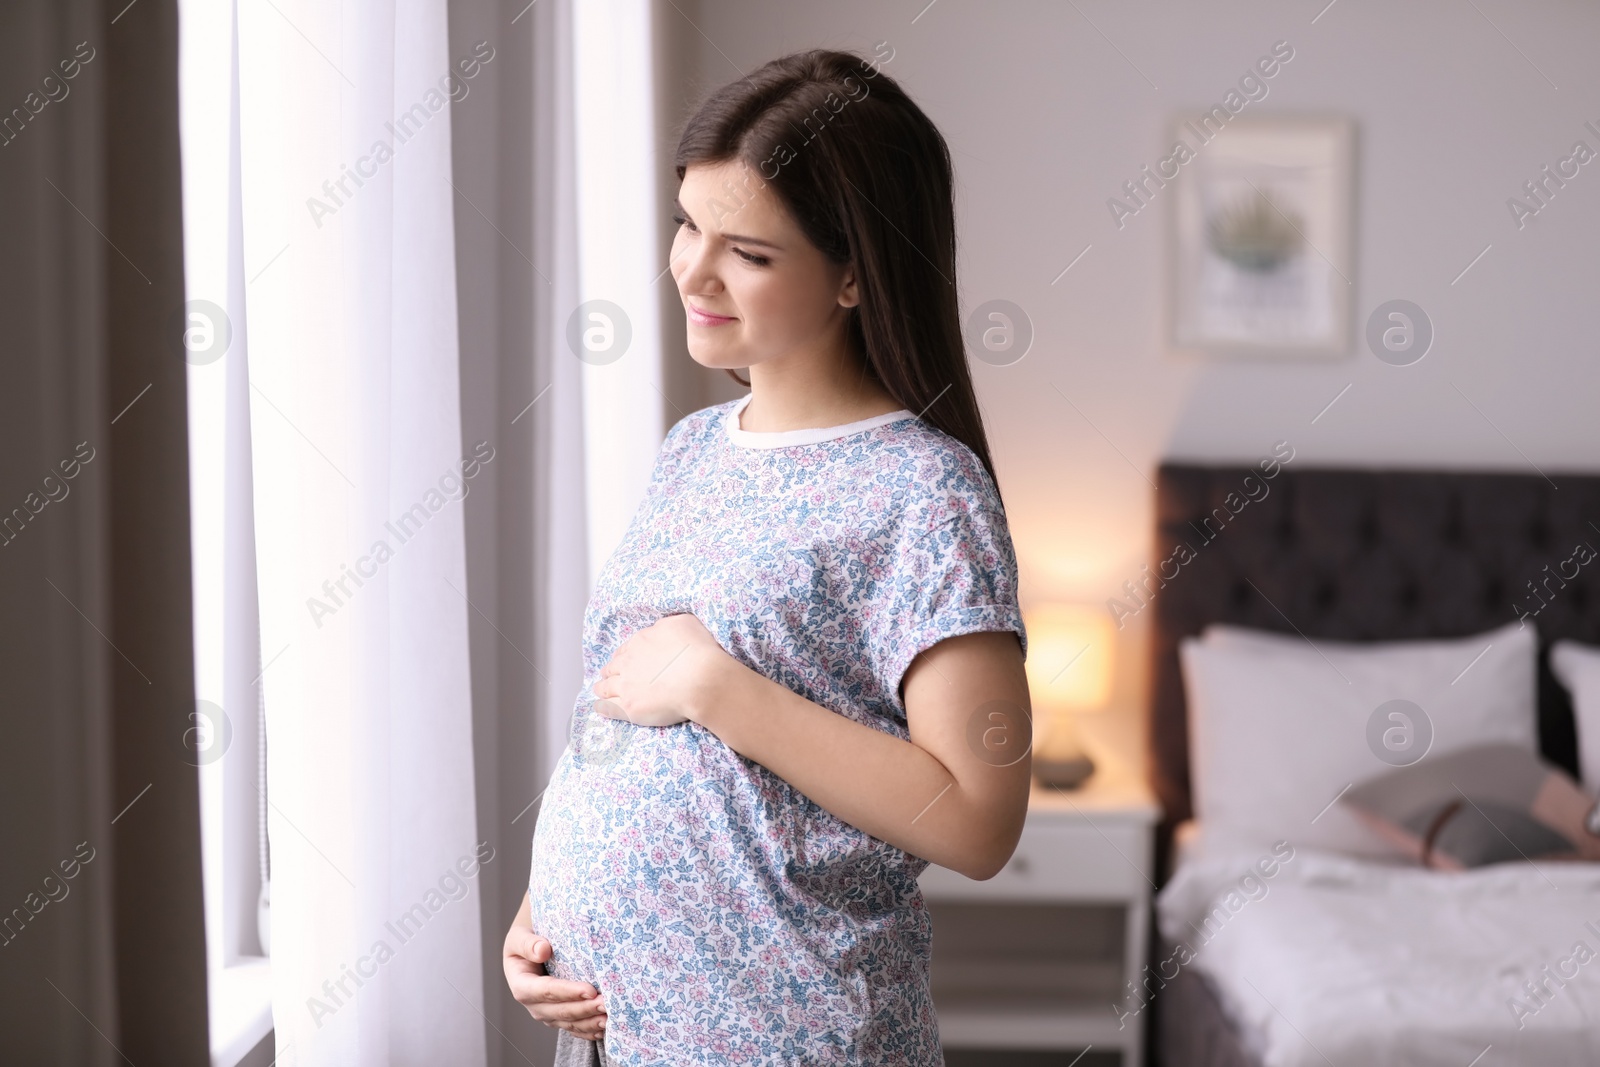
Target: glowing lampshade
x=1069 y=656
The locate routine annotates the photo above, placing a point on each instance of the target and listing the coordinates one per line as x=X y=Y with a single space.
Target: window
x=226 y=735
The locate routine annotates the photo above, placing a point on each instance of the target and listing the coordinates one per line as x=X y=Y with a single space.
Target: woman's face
x=738 y=256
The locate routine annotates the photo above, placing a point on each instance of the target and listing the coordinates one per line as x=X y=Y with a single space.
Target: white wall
x=1048 y=111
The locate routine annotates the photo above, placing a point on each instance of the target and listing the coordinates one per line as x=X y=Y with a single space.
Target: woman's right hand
x=574 y=1006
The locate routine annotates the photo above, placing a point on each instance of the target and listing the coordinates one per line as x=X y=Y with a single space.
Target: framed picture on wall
x=1259 y=251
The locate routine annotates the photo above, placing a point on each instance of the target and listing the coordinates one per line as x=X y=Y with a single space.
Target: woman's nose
x=698 y=274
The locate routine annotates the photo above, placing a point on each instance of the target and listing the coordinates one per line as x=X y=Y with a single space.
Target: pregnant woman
x=803 y=664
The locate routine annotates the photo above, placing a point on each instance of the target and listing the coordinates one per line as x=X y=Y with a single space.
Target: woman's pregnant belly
x=636 y=834
x=709 y=900
x=664 y=839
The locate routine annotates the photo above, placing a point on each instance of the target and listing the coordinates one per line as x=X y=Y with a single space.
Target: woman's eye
x=753 y=260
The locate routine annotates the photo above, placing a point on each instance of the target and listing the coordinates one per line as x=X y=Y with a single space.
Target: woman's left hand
x=659 y=676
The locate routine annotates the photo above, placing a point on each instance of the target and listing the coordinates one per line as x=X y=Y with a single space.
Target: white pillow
x=1278 y=728
x=1578 y=668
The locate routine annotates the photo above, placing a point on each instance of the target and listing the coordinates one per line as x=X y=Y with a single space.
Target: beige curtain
x=103 y=959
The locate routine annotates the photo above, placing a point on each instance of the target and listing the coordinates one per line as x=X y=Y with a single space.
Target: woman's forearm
x=889 y=788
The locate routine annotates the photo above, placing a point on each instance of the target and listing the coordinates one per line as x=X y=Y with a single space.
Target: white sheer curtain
x=365 y=416
x=359 y=470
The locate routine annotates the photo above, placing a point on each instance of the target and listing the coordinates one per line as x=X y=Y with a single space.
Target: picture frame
x=1260 y=235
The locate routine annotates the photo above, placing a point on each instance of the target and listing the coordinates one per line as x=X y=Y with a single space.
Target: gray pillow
x=1478 y=805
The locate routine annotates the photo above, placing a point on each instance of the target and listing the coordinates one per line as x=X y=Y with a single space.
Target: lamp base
x=1066 y=773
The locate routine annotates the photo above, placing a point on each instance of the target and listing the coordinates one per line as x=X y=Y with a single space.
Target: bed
x=1349 y=960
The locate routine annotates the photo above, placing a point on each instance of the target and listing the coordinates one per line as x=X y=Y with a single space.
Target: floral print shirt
x=726 y=917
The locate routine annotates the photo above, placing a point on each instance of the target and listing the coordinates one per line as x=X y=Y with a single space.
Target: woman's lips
x=700 y=318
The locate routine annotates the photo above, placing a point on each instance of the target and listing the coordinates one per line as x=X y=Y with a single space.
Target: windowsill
x=240 y=999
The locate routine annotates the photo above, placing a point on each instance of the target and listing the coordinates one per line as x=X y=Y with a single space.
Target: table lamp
x=1069 y=671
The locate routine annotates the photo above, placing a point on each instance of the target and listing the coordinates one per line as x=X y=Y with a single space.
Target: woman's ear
x=849 y=294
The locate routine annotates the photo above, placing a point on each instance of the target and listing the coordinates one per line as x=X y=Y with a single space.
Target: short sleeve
x=952 y=571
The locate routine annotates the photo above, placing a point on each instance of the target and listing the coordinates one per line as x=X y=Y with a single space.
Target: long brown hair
x=867 y=177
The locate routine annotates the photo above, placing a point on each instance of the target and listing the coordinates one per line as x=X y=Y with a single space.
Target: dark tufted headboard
x=1365 y=555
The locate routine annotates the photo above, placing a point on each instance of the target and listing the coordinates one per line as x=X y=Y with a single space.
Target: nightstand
x=1040 y=955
